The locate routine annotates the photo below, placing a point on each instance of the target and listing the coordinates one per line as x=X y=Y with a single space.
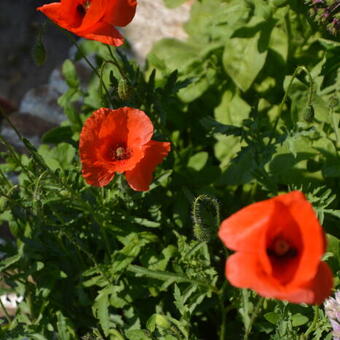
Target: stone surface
x=29 y=126
x=154 y=21
x=42 y=102
x=19 y=22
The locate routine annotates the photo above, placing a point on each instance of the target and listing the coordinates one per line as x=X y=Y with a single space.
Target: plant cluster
x=116 y=215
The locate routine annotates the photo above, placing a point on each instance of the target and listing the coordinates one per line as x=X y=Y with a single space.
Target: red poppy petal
x=322 y=283
x=246 y=229
x=90 y=135
x=53 y=12
x=113 y=126
x=311 y=232
x=244 y=270
x=120 y=12
x=314 y=292
x=140 y=127
x=101 y=32
x=94 y=14
x=283 y=227
x=98 y=176
x=140 y=177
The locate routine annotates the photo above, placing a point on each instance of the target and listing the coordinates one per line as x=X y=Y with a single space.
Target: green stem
x=106 y=240
x=335 y=122
x=284 y=99
x=90 y=65
x=5 y=311
x=313 y=324
x=224 y=311
x=164 y=276
x=18 y=160
x=115 y=62
x=193 y=250
x=252 y=318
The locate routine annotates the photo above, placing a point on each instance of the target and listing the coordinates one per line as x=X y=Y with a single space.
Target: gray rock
x=154 y=21
x=42 y=102
x=30 y=126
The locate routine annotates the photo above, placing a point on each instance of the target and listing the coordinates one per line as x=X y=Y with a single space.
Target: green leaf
x=232 y=109
x=101 y=309
x=57 y=135
x=158 y=320
x=174 y=3
x=8 y=261
x=39 y=51
x=299 y=320
x=70 y=74
x=279 y=42
x=272 y=317
x=215 y=127
x=182 y=54
x=245 y=53
x=58 y=157
x=145 y=222
x=65 y=330
x=198 y=161
x=212 y=21
x=137 y=334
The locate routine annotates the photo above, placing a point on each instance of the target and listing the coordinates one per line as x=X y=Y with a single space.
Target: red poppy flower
x=120 y=141
x=279 y=244
x=92 y=19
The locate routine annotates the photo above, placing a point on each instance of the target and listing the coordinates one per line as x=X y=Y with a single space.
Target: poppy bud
x=309 y=114
x=39 y=52
x=201 y=233
x=124 y=89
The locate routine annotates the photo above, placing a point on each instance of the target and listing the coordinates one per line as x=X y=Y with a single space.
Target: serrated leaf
x=65 y=330
x=7 y=262
x=101 y=309
x=137 y=334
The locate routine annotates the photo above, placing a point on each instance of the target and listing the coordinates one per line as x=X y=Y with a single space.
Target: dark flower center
x=120 y=152
x=281 y=249
x=83 y=8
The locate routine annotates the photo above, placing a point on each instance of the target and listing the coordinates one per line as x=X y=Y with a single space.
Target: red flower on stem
x=92 y=19
x=279 y=244
x=120 y=141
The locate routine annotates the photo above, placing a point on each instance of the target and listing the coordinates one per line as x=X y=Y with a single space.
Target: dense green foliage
x=251 y=104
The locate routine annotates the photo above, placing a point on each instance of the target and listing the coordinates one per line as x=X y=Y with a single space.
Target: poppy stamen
x=281 y=248
x=120 y=153
x=83 y=8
